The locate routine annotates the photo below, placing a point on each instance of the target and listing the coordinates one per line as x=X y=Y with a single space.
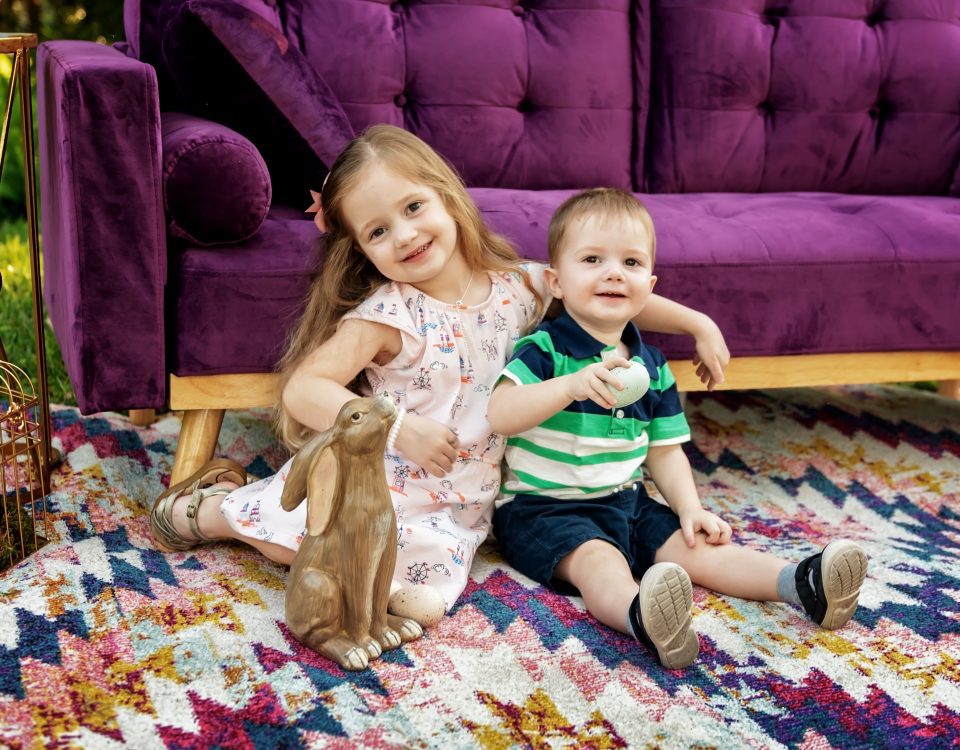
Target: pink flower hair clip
x=317 y=207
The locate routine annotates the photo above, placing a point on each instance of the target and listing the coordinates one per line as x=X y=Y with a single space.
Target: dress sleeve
x=387 y=306
x=537 y=279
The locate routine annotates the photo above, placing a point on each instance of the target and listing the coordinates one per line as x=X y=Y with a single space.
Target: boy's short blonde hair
x=606 y=203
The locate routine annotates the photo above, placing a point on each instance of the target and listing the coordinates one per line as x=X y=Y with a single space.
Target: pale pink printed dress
x=448 y=364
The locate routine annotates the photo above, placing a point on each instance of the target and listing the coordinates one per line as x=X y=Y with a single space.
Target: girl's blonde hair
x=348 y=277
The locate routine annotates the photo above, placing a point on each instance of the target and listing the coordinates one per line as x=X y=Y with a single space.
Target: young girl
x=418 y=300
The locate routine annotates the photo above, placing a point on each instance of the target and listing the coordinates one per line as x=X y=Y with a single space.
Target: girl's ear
x=553 y=282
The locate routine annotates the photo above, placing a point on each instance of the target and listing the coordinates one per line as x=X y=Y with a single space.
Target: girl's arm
x=666 y=316
x=317 y=386
x=317 y=389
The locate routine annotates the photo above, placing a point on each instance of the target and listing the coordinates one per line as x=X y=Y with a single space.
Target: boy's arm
x=666 y=316
x=671 y=472
x=515 y=408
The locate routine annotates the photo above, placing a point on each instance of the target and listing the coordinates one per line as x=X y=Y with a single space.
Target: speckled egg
x=635 y=381
x=423 y=604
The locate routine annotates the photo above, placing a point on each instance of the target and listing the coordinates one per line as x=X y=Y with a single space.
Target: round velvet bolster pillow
x=216 y=187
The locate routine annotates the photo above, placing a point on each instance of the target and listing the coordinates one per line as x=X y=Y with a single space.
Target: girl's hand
x=717 y=530
x=589 y=383
x=712 y=355
x=428 y=444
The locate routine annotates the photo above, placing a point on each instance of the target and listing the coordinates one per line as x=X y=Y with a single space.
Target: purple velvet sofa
x=800 y=159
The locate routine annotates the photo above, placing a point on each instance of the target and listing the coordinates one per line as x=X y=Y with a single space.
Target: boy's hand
x=589 y=382
x=428 y=444
x=712 y=355
x=717 y=530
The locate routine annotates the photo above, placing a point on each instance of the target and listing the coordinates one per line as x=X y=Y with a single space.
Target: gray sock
x=787 y=585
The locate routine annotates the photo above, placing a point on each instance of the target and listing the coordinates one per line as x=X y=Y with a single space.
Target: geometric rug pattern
x=105 y=642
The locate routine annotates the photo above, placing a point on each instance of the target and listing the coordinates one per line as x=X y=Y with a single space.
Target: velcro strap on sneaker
x=816 y=608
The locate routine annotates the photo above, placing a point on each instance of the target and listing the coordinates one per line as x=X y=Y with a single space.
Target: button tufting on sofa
x=400 y=100
x=518 y=10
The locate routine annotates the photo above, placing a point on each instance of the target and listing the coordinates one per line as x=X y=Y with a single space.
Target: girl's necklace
x=459 y=303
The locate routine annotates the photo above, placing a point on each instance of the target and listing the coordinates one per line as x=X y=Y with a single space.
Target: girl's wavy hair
x=348 y=277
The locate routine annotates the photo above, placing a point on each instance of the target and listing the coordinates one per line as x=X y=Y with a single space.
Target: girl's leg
x=212 y=524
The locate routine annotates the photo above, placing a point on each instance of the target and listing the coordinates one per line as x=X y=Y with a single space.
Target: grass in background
x=16 y=315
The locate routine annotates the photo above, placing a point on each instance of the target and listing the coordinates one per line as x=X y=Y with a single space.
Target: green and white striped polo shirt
x=586 y=451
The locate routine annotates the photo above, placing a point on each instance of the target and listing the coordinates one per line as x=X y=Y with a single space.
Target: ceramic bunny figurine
x=336 y=600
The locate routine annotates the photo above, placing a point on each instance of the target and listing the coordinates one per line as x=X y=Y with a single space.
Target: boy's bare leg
x=213 y=525
x=600 y=571
x=726 y=568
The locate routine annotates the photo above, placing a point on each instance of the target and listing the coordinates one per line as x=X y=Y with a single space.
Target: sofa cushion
x=780 y=273
x=807 y=95
x=534 y=94
x=216 y=187
x=142 y=30
x=230 y=65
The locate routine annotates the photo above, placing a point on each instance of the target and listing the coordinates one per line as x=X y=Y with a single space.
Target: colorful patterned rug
x=107 y=643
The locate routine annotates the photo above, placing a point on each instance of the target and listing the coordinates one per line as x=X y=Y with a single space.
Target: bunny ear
x=295 y=485
x=321 y=486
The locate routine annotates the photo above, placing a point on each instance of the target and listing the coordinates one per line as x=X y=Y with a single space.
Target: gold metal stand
x=19 y=46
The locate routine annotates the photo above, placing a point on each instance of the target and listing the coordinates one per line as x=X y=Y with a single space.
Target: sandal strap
x=193 y=507
x=161 y=524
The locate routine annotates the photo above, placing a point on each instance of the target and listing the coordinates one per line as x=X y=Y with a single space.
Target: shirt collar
x=569 y=338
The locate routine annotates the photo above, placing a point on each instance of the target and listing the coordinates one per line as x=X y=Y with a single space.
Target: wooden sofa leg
x=143 y=417
x=199 y=430
x=949 y=388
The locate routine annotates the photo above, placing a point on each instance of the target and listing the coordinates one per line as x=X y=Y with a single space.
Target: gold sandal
x=200 y=483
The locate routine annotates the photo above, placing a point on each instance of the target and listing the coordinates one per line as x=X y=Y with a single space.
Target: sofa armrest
x=104 y=241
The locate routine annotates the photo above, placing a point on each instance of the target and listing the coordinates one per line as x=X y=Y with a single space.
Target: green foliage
x=12 y=190
x=93 y=20
x=16 y=315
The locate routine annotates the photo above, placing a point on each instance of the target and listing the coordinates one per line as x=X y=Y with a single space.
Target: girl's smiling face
x=405 y=230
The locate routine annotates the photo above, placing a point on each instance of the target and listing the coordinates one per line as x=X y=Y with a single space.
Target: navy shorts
x=536 y=532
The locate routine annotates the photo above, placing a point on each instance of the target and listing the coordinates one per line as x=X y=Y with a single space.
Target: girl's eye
x=414 y=207
x=591 y=259
x=378 y=232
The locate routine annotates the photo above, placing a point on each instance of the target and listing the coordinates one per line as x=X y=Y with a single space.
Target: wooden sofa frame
x=204 y=399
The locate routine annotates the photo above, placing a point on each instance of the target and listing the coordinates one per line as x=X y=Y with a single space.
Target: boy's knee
x=592 y=556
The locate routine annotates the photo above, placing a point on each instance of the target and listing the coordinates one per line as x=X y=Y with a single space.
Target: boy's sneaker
x=663 y=611
x=829 y=583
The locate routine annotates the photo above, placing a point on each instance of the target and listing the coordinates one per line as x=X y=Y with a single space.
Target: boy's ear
x=553 y=282
x=653 y=282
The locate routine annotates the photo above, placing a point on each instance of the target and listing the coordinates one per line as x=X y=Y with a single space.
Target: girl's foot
x=829 y=582
x=661 y=615
x=177 y=516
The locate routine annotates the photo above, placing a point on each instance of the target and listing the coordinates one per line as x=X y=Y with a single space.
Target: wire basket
x=23 y=526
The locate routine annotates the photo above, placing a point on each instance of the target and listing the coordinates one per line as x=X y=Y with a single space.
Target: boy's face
x=603 y=272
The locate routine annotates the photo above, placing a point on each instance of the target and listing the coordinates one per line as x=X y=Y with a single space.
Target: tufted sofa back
x=856 y=96
x=515 y=93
